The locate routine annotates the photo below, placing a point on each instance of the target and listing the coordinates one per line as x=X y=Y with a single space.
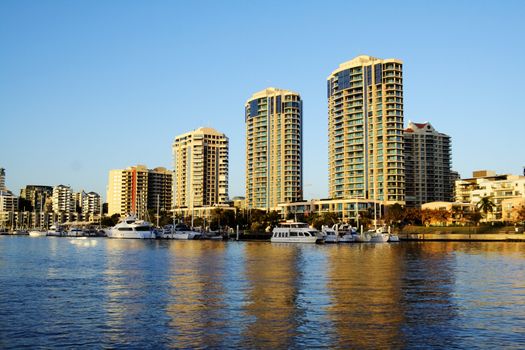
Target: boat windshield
x=142 y=228
x=293 y=225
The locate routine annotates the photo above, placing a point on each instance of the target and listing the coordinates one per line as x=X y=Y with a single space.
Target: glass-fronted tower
x=274 y=166
x=365 y=130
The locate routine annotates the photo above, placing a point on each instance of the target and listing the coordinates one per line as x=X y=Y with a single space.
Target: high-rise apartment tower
x=427 y=165
x=200 y=161
x=365 y=130
x=274 y=160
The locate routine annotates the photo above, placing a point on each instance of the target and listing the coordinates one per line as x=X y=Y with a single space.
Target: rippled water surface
x=102 y=293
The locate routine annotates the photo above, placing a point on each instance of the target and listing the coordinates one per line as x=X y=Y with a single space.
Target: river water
x=103 y=293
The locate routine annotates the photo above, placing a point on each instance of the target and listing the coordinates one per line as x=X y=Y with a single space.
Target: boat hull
x=131 y=234
x=37 y=233
x=293 y=239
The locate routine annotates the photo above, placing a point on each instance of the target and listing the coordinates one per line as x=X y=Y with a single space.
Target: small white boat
x=37 y=233
x=183 y=232
x=130 y=227
x=362 y=237
x=295 y=232
x=75 y=232
x=378 y=235
x=330 y=235
x=393 y=238
x=55 y=231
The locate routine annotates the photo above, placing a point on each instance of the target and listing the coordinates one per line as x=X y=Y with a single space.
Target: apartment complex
x=34 y=197
x=427 y=165
x=63 y=200
x=91 y=204
x=200 y=161
x=129 y=190
x=503 y=190
x=365 y=130
x=274 y=160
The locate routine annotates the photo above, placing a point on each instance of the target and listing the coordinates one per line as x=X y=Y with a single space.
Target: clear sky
x=89 y=86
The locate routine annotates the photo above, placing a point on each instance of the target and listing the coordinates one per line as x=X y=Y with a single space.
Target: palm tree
x=486 y=205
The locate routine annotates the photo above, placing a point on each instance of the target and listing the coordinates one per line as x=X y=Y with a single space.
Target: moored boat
x=132 y=228
x=295 y=232
x=37 y=233
x=330 y=235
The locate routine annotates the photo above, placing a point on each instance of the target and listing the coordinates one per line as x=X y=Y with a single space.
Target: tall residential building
x=365 y=130
x=34 y=197
x=274 y=160
x=129 y=192
x=200 y=161
x=427 y=165
x=160 y=189
x=63 y=201
x=90 y=204
x=2 y=180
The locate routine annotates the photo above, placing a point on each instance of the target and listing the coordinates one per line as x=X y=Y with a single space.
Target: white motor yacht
x=346 y=233
x=393 y=238
x=330 y=235
x=37 y=233
x=130 y=227
x=295 y=232
x=55 y=231
x=75 y=232
x=180 y=231
x=378 y=235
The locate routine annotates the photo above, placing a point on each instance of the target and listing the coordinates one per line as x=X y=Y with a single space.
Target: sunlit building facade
x=274 y=160
x=365 y=130
x=200 y=162
x=137 y=189
x=427 y=165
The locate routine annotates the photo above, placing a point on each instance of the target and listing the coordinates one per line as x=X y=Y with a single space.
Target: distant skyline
x=88 y=86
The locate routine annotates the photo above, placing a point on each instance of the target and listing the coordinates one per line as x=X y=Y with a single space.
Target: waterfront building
x=427 y=165
x=346 y=209
x=200 y=162
x=2 y=180
x=274 y=159
x=35 y=197
x=365 y=130
x=63 y=201
x=160 y=189
x=90 y=205
x=128 y=189
x=500 y=189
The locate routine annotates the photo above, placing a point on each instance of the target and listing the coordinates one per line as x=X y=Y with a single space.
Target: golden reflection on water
x=364 y=287
x=273 y=277
x=196 y=293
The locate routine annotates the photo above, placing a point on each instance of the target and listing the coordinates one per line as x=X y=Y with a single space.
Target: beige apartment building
x=365 y=130
x=427 y=165
x=137 y=189
x=274 y=160
x=506 y=191
x=200 y=161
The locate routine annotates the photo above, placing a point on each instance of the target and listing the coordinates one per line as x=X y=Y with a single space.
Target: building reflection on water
x=262 y=295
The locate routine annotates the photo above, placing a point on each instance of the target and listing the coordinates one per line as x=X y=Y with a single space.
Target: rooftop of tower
x=270 y=91
x=362 y=60
x=201 y=131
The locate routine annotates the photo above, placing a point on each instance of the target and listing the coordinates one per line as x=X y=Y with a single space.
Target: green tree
x=328 y=219
x=110 y=221
x=485 y=205
x=395 y=214
x=413 y=216
x=473 y=217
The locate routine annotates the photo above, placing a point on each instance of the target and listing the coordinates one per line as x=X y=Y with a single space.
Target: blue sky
x=89 y=86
